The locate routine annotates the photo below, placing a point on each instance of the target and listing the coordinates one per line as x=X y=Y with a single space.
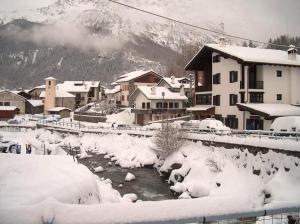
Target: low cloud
x=64 y=35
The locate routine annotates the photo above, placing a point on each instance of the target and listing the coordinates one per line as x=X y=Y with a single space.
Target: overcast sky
x=256 y=19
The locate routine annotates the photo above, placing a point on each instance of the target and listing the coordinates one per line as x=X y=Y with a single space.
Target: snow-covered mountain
x=101 y=27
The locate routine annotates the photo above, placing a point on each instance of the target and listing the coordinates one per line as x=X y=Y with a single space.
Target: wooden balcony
x=256 y=85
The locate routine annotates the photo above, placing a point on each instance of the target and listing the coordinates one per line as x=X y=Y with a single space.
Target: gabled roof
x=176 y=84
x=77 y=86
x=36 y=103
x=247 y=55
x=59 y=94
x=169 y=95
x=271 y=110
x=116 y=89
x=133 y=75
x=58 y=109
x=14 y=93
x=8 y=108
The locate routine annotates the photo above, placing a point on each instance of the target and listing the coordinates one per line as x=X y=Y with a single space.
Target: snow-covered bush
x=168 y=140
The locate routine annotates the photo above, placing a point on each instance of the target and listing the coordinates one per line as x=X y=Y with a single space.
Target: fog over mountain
x=96 y=39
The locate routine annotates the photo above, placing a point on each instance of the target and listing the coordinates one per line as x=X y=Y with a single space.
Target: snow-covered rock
x=98 y=169
x=129 y=177
x=130 y=197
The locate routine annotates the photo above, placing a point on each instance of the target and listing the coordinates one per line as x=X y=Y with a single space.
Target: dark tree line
x=284 y=40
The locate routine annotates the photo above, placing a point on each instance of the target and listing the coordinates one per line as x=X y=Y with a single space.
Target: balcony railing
x=159 y=111
x=256 y=85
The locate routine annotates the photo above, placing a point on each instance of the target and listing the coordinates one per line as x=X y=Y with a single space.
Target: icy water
x=148 y=185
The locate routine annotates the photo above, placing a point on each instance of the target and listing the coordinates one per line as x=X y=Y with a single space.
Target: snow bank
x=124 y=117
x=125 y=150
x=215 y=172
x=30 y=179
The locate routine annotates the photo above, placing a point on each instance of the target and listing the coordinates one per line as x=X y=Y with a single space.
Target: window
x=165 y=105
x=231 y=121
x=148 y=105
x=203 y=99
x=216 y=78
x=219 y=117
x=159 y=105
x=6 y=103
x=242 y=97
x=233 y=76
x=122 y=97
x=279 y=96
x=171 y=105
x=200 y=78
x=1 y=103
x=256 y=97
x=176 y=105
x=143 y=105
x=216 y=100
x=49 y=82
x=279 y=73
x=233 y=99
x=216 y=59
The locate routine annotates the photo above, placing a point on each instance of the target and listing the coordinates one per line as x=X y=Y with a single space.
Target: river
x=148 y=185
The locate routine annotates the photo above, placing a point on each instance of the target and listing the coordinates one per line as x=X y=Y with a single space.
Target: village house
x=36 y=92
x=113 y=95
x=244 y=87
x=130 y=81
x=154 y=103
x=17 y=99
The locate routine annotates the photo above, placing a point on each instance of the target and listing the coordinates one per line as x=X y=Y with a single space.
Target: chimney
x=153 y=90
x=172 y=79
x=222 y=41
x=182 y=90
x=292 y=52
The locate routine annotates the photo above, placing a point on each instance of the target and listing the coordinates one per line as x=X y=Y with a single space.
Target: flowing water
x=148 y=185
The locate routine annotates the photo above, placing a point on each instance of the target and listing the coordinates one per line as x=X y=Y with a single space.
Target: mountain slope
x=90 y=39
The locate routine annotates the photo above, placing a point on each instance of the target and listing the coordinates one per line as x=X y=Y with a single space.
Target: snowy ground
x=215 y=175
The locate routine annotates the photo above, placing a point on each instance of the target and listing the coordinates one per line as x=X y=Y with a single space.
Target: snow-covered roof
x=59 y=94
x=273 y=109
x=248 y=54
x=50 y=78
x=36 y=103
x=114 y=90
x=157 y=94
x=200 y=108
x=14 y=93
x=77 y=86
x=133 y=75
x=58 y=109
x=8 y=108
x=175 y=83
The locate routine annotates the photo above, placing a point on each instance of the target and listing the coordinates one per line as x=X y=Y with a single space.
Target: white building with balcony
x=157 y=103
x=244 y=87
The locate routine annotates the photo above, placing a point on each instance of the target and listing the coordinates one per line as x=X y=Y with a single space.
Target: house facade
x=153 y=103
x=241 y=84
x=130 y=81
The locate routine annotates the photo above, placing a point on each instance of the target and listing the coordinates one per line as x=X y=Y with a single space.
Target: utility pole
x=163 y=95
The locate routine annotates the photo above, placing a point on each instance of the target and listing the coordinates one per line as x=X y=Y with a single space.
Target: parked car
x=213 y=125
x=286 y=124
x=191 y=124
x=9 y=147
